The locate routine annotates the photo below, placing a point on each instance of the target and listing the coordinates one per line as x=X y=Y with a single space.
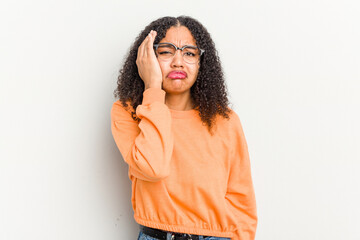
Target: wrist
x=153 y=85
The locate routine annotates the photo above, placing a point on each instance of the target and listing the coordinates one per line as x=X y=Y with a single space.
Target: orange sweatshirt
x=184 y=179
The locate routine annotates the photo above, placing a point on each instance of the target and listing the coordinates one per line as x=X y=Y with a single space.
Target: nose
x=177 y=60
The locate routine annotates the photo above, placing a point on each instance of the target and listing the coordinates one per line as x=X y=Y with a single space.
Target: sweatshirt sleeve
x=145 y=146
x=240 y=193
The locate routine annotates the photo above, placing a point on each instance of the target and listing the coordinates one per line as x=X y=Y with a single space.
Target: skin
x=155 y=73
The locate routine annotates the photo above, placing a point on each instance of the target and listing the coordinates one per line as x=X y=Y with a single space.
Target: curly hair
x=209 y=92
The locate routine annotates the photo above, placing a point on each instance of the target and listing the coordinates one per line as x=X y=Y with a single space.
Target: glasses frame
x=178 y=48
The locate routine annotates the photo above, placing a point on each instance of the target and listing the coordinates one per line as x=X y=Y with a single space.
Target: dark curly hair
x=209 y=92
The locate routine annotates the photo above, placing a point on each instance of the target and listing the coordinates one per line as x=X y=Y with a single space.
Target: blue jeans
x=143 y=236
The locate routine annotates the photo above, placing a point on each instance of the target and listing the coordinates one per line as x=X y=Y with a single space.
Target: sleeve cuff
x=151 y=95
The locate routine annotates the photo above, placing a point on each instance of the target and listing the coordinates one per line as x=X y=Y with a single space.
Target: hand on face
x=147 y=63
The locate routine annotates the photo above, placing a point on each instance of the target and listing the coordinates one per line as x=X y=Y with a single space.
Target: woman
x=186 y=150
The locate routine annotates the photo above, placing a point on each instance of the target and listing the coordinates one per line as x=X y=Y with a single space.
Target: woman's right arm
x=146 y=146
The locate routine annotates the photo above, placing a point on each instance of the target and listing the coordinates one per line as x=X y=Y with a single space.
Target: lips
x=177 y=75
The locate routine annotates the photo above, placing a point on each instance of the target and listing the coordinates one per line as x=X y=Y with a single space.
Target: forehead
x=179 y=35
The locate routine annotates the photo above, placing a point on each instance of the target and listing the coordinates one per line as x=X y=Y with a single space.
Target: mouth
x=177 y=75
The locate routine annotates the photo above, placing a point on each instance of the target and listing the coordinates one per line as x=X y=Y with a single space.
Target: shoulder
x=231 y=132
x=120 y=112
x=229 y=128
x=232 y=121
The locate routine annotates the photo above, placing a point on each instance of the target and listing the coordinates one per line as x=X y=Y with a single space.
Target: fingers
x=151 y=39
x=141 y=49
x=146 y=47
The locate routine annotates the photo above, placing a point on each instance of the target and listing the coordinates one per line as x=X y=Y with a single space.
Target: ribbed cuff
x=151 y=95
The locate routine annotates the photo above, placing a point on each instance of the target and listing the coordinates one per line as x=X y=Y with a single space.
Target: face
x=178 y=76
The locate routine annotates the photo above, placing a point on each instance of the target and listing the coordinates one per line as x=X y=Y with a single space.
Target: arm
x=146 y=147
x=240 y=192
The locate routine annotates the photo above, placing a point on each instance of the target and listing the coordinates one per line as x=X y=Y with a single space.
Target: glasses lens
x=165 y=51
x=191 y=54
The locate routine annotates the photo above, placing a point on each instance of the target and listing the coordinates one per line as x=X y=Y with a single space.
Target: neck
x=179 y=102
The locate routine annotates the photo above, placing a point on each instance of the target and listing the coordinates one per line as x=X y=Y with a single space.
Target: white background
x=292 y=69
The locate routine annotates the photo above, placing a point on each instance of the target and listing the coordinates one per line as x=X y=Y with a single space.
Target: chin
x=175 y=86
x=174 y=91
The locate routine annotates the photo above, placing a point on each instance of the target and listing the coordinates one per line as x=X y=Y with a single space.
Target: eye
x=189 y=54
x=165 y=50
x=164 y=53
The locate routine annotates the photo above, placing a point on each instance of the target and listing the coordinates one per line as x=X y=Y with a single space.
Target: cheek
x=162 y=67
x=194 y=71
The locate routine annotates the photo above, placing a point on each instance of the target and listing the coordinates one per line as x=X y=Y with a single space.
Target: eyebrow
x=177 y=46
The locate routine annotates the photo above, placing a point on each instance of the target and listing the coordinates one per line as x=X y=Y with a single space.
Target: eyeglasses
x=166 y=51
